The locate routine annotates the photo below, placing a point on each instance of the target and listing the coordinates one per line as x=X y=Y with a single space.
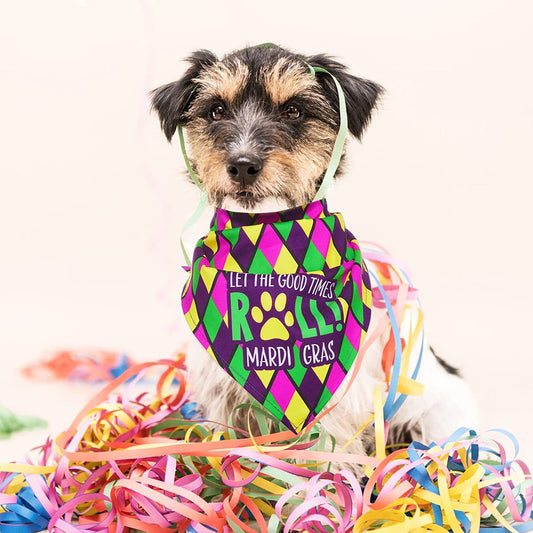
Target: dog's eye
x=292 y=112
x=217 y=112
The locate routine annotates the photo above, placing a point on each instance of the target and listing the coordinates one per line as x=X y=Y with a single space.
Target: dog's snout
x=244 y=169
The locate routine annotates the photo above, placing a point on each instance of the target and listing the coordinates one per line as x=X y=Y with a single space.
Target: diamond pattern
x=307 y=240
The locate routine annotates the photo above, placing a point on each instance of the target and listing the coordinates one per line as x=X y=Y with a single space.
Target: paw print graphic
x=273 y=328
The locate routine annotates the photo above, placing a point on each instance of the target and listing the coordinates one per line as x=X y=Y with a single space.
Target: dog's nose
x=244 y=169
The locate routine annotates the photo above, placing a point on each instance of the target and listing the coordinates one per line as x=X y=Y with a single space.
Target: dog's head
x=259 y=125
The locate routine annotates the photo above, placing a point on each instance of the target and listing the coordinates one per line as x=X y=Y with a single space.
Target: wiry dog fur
x=256 y=86
x=260 y=130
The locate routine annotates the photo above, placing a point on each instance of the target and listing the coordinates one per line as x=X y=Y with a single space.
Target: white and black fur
x=260 y=132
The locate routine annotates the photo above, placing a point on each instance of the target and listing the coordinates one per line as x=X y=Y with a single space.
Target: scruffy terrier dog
x=261 y=131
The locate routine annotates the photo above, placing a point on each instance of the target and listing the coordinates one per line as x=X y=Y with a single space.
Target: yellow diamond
x=265 y=376
x=253 y=232
x=297 y=411
x=321 y=372
x=285 y=263
x=208 y=276
x=232 y=265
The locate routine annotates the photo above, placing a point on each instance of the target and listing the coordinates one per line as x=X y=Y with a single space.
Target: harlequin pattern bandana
x=282 y=302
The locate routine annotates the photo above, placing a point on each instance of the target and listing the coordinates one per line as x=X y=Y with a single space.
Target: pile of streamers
x=145 y=463
x=148 y=462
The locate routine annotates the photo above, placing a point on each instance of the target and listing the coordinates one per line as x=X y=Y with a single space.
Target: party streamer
x=90 y=365
x=10 y=422
x=148 y=462
x=142 y=462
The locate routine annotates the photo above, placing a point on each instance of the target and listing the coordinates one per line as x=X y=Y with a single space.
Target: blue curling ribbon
x=121 y=366
x=26 y=516
x=461 y=516
x=516 y=447
x=392 y=404
x=473 y=450
x=459 y=434
x=190 y=410
x=393 y=401
x=420 y=475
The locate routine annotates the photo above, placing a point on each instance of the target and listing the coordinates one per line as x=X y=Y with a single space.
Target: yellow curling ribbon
x=19 y=468
x=379 y=424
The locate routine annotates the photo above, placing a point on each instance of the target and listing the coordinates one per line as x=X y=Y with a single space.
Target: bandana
x=282 y=302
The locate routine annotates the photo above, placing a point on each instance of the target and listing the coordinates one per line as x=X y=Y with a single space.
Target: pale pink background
x=93 y=198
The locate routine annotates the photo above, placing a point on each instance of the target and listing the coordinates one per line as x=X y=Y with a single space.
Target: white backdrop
x=93 y=198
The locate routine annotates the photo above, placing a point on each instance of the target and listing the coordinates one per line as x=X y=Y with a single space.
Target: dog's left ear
x=361 y=95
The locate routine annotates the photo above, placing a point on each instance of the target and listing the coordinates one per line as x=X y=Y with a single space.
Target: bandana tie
x=282 y=302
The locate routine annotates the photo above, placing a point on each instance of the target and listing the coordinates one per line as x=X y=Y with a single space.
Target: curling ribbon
x=141 y=461
x=92 y=365
x=136 y=462
x=10 y=422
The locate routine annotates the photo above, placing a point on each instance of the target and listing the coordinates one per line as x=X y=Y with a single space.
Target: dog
x=260 y=131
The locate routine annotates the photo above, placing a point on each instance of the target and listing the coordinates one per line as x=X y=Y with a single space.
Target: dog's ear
x=172 y=101
x=361 y=95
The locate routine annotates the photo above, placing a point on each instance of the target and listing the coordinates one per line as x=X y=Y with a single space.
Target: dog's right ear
x=172 y=101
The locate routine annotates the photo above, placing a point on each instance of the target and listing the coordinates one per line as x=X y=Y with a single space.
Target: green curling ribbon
x=336 y=154
x=9 y=422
